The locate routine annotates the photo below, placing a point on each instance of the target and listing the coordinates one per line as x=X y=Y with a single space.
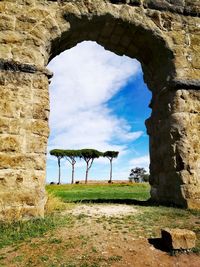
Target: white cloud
x=140 y=162
x=85 y=78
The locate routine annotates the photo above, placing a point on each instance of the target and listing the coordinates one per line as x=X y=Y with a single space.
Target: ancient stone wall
x=163 y=35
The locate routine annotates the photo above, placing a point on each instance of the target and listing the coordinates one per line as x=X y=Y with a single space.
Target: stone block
x=21 y=204
x=193 y=204
x=125 y=41
x=40 y=112
x=38 y=127
x=10 y=143
x=5 y=51
x=28 y=55
x=22 y=161
x=40 y=82
x=11 y=37
x=36 y=144
x=24 y=23
x=4 y=125
x=178 y=37
x=178 y=239
x=11 y=126
x=6 y=22
x=108 y=29
x=10 y=109
x=165 y=5
x=115 y=39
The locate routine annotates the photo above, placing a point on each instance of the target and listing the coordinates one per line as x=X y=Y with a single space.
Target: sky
x=97 y=100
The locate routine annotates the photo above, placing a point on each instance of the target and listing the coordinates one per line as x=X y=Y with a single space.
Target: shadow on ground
x=158 y=244
x=118 y=201
x=128 y=201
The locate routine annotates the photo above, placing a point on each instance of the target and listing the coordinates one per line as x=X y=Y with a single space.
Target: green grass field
x=91 y=192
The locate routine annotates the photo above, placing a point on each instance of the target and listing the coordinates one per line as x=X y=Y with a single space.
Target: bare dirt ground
x=103 y=210
x=100 y=236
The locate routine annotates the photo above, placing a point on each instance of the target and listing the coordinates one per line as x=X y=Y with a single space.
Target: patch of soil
x=103 y=210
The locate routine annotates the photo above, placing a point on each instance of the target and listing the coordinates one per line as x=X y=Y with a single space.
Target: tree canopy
x=57 y=153
x=137 y=174
x=88 y=153
x=111 y=154
x=72 y=154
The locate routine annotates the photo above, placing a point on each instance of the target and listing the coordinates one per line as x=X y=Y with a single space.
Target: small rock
x=178 y=238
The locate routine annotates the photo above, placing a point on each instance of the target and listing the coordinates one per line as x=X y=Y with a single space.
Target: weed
x=81 y=216
x=69 y=245
x=85 y=264
x=44 y=258
x=18 y=259
x=94 y=250
x=95 y=264
x=2 y=257
x=196 y=250
x=115 y=258
x=30 y=262
x=34 y=245
x=55 y=241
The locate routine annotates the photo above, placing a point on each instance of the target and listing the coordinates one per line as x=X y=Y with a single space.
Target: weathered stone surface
x=162 y=35
x=178 y=239
x=185 y=7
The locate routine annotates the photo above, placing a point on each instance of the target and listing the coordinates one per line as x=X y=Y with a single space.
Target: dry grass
x=55 y=204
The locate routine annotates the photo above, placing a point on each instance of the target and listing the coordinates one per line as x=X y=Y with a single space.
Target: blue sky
x=98 y=100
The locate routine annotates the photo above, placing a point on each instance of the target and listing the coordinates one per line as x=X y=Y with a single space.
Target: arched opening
x=98 y=100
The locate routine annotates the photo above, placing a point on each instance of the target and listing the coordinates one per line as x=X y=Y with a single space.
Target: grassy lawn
x=70 y=193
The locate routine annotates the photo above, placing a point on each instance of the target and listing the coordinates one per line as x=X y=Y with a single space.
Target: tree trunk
x=110 y=171
x=59 y=173
x=72 y=182
x=86 y=174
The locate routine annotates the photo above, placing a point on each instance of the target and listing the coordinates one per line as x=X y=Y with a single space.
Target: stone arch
x=123 y=37
x=163 y=37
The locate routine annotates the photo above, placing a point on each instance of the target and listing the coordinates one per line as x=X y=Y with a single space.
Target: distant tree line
x=88 y=155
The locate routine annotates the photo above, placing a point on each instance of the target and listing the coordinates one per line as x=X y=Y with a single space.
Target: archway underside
x=163 y=39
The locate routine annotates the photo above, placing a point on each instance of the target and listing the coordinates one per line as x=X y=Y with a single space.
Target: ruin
x=164 y=35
